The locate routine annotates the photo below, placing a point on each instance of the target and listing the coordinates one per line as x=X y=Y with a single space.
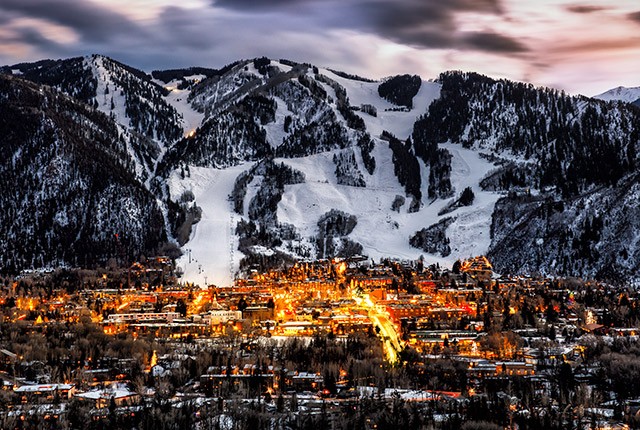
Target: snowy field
x=211 y=254
x=397 y=122
x=191 y=119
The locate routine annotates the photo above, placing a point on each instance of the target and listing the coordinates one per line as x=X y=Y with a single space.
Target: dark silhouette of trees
x=400 y=89
x=467 y=197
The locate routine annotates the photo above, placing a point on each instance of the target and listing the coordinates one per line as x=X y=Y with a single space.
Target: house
x=217 y=381
x=305 y=381
x=102 y=398
x=7 y=359
x=42 y=392
x=519 y=368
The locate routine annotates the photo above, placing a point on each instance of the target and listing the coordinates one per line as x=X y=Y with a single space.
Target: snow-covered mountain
x=68 y=188
x=623 y=94
x=149 y=115
x=263 y=162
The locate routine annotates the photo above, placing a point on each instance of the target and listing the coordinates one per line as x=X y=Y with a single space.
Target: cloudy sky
x=581 y=46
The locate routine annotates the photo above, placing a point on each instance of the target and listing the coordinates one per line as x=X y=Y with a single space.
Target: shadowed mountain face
x=69 y=191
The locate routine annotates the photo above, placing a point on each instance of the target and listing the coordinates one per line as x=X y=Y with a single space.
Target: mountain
x=623 y=94
x=263 y=162
x=567 y=164
x=69 y=190
x=150 y=116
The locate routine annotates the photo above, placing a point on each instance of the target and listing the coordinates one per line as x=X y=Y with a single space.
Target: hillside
x=266 y=161
x=566 y=163
x=69 y=189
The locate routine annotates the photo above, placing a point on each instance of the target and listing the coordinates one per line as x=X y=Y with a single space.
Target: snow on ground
x=210 y=256
x=284 y=67
x=107 y=91
x=274 y=63
x=191 y=118
x=399 y=123
x=275 y=130
x=470 y=233
x=381 y=231
x=111 y=101
x=211 y=253
x=408 y=395
x=624 y=94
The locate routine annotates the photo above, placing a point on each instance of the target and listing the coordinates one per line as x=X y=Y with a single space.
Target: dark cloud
x=431 y=24
x=184 y=35
x=635 y=16
x=252 y=5
x=418 y=23
x=5 y=18
x=185 y=29
x=92 y=22
x=430 y=5
x=33 y=37
x=493 y=42
x=409 y=17
x=584 y=9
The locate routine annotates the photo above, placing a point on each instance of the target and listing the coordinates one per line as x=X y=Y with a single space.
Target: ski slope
x=399 y=123
x=211 y=254
x=191 y=118
x=381 y=231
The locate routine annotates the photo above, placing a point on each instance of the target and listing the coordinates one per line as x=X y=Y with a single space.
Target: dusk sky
x=581 y=46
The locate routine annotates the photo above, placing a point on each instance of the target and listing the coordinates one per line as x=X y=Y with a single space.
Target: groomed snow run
x=191 y=118
x=210 y=256
x=399 y=123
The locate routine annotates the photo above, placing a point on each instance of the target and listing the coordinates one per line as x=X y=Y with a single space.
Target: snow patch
x=191 y=118
x=381 y=231
x=211 y=252
x=399 y=123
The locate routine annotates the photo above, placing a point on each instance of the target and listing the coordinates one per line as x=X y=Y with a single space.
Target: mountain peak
x=623 y=94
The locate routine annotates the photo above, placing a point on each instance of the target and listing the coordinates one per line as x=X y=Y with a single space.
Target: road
x=391 y=342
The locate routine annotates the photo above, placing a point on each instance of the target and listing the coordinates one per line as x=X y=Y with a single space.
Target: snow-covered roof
x=42 y=388
x=117 y=392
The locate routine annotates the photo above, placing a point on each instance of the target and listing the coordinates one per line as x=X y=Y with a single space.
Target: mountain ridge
x=79 y=201
x=623 y=94
x=262 y=154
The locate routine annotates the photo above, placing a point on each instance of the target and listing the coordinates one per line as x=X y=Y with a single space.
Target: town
x=337 y=344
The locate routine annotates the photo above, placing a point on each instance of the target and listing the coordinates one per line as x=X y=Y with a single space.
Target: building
x=221 y=316
x=120 y=395
x=42 y=392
